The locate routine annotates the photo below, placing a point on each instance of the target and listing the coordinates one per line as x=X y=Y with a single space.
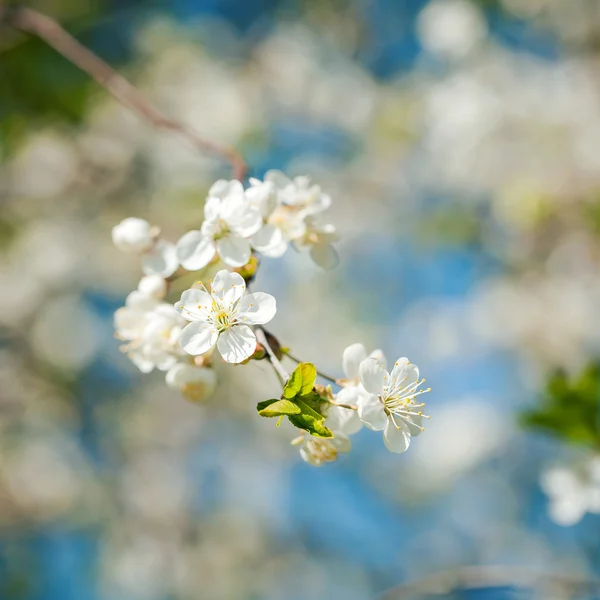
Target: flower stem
x=348 y=406
x=319 y=373
x=277 y=366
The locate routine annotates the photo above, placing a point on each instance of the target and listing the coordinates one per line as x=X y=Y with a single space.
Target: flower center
x=221 y=229
x=399 y=400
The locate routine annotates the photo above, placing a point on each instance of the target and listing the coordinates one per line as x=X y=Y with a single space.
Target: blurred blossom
x=572 y=490
x=451 y=28
x=44 y=167
x=66 y=333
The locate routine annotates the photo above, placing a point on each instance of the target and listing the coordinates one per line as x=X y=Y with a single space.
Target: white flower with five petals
x=390 y=403
x=229 y=219
x=223 y=317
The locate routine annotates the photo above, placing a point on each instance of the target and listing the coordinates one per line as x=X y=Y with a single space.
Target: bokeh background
x=460 y=143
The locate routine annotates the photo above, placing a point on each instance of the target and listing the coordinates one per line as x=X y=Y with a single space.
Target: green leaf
x=311 y=421
x=277 y=408
x=301 y=381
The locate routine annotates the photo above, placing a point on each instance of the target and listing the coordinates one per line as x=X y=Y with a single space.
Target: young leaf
x=277 y=408
x=301 y=382
x=310 y=421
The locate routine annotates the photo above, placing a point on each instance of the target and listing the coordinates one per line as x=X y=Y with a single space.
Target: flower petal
x=371 y=413
x=403 y=368
x=235 y=251
x=343 y=420
x=198 y=337
x=194 y=305
x=351 y=359
x=325 y=255
x=269 y=241
x=161 y=260
x=257 y=308
x=396 y=440
x=212 y=208
x=414 y=425
x=223 y=188
x=278 y=178
x=372 y=375
x=228 y=287
x=237 y=344
x=379 y=356
x=195 y=383
x=248 y=223
x=195 y=250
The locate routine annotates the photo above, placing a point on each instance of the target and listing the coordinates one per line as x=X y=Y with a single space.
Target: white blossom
x=341 y=419
x=229 y=219
x=133 y=235
x=290 y=208
x=572 y=491
x=319 y=238
x=136 y=236
x=223 y=317
x=195 y=383
x=152 y=331
x=317 y=451
x=390 y=404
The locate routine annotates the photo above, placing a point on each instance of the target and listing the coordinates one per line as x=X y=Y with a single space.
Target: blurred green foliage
x=570 y=409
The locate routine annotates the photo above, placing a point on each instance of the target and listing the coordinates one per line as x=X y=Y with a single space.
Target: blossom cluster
x=180 y=338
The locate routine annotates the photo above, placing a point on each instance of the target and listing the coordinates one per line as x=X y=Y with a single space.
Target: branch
x=264 y=342
x=481 y=577
x=48 y=30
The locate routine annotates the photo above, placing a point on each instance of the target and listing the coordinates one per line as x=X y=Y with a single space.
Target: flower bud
x=154 y=286
x=133 y=235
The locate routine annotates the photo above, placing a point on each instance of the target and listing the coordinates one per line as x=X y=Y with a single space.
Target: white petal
x=278 y=178
x=237 y=344
x=351 y=359
x=269 y=241
x=228 y=287
x=325 y=255
x=233 y=208
x=132 y=235
x=396 y=440
x=403 y=368
x=343 y=420
x=212 y=208
x=234 y=251
x=223 y=188
x=371 y=413
x=249 y=223
x=195 y=250
x=195 y=383
x=194 y=305
x=154 y=286
x=341 y=442
x=257 y=308
x=372 y=375
x=161 y=260
x=198 y=337
x=414 y=425
x=379 y=356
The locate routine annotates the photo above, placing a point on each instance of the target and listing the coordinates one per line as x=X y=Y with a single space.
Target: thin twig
x=319 y=373
x=481 y=577
x=279 y=368
x=47 y=29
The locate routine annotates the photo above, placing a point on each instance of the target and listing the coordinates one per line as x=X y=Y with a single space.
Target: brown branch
x=481 y=577
x=48 y=30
